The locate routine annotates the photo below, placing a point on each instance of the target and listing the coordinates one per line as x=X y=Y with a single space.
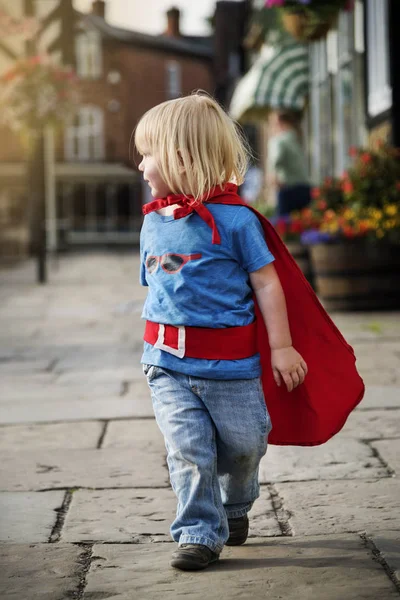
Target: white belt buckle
x=180 y=351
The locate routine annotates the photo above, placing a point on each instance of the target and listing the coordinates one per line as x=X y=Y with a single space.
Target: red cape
x=316 y=410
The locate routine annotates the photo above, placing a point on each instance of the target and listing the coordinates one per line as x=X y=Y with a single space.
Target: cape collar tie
x=187 y=205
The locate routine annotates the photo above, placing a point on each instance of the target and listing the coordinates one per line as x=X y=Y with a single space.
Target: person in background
x=287 y=165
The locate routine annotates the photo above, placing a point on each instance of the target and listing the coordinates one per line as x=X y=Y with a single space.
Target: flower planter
x=304 y=27
x=357 y=275
x=301 y=255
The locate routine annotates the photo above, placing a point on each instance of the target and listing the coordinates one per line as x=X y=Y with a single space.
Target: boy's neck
x=167 y=211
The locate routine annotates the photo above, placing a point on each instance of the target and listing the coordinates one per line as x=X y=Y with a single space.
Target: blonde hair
x=196 y=145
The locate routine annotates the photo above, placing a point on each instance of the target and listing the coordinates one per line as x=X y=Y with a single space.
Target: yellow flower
x=380 y=233
x=390 y=224
x=348 y=214
x=391 y=210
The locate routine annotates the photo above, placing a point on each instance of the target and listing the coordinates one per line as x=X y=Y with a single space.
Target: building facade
x=354 y=86
x=93 y=189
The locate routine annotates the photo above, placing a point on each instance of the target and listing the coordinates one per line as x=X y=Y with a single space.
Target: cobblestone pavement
x=85 y=503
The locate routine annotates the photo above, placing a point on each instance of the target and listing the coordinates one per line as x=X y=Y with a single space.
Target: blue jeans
x=215 y=434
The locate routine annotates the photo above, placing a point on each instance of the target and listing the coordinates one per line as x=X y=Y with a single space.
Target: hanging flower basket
x=307 y=27
x=309 y=20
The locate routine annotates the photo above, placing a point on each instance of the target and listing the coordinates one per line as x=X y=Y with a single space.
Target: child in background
x=203 y=261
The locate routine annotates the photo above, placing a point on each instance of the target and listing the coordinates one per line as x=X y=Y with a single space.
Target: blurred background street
x=85 y=501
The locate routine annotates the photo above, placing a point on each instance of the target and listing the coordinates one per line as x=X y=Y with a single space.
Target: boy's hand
x=287 y=364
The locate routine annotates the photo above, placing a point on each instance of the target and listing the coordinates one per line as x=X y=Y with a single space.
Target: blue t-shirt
x=200 y=284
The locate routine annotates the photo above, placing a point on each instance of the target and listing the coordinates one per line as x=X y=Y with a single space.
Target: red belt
x=230 y=343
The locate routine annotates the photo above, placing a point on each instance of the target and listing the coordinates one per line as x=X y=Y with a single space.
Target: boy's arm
x=287 y=364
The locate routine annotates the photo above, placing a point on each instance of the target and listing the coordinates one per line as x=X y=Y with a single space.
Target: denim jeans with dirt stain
x=215 y=434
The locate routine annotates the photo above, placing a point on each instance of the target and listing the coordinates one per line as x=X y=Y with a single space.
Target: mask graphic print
x=170 y=262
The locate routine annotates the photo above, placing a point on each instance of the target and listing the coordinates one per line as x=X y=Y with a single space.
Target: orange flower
x=363 y=227
x=306 y=213
x=321 y=205
x=329 y=215
x=315 y=193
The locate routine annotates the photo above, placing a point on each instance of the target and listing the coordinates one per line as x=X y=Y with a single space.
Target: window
x=88 y=55
x=337 y=96
x=321 y=120
x=349 y=88
x=379 y=89
x=173 y=79
x=84 y=137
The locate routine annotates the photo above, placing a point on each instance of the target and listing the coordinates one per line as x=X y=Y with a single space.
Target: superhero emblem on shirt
x=171 y=263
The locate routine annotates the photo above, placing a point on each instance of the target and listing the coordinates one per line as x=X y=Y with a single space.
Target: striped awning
x=279 y=78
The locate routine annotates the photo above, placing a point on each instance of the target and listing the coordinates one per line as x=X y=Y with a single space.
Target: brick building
x=93 y=190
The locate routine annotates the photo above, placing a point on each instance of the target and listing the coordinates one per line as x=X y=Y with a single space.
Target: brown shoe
x=193 y=557
x=238 y=531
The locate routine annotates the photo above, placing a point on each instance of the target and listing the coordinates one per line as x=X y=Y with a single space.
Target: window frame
x=380 y=95
x=88 y=51
x=89 y=147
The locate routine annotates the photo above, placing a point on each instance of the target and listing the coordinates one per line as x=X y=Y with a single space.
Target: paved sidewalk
x=85 y=504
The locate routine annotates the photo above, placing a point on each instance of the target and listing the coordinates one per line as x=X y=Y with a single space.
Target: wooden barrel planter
x=357 y=275
x=301 y=255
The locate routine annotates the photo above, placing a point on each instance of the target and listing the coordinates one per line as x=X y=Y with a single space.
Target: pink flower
x=271 y=3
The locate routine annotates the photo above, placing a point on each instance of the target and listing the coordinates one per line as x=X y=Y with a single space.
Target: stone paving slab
x=374 y=327
x=338 y=567
x=34 y=391
x=130 y=432
x=388 y=544
x=380 y=396
x=377 y=377
x=40 y=571
x=142 y=516
x=263 y=521
x=66 y=409
x=321 y=508
x=141 y=465
x=339 y=458
x=100 y=375
x=371 y=358
x=28 y=517
x=389 y=450
x=120 y=516
x=55 y=435
x=13 y=367
x=113 y=468
x=372 y=424
x=94 y=357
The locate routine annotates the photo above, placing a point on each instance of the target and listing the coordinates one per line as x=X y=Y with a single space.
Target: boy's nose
x=141 y=166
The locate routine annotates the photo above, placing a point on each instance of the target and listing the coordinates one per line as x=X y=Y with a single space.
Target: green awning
x=279 y=78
